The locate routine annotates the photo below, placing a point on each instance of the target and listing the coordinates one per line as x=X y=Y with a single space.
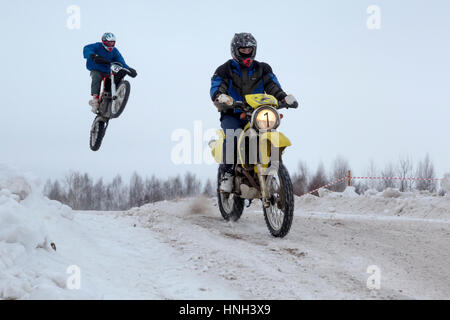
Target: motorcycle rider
x=98 y=57
x=233 y=80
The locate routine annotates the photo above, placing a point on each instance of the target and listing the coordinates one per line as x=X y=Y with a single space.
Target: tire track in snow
x=320 y=258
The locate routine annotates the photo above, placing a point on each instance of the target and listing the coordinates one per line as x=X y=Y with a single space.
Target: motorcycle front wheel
x=280 y=213
x=231 y=205
x=122 y=94
x=98 y=130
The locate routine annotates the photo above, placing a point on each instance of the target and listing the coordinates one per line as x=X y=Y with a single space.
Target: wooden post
x=349 y=177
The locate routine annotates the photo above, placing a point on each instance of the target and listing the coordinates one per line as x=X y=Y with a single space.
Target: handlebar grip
x=282 y=105
x=132 y=74
x=238 y=104
x=294 y=105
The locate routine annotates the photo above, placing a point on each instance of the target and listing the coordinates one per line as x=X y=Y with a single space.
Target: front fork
x=113 y=87
x=262 y=184
x=264 y=175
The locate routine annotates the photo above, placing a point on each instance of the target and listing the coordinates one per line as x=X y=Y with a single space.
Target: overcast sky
x=364 y=94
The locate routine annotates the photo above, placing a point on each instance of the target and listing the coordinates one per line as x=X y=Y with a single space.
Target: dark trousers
x=229 y=124
x=96 y=84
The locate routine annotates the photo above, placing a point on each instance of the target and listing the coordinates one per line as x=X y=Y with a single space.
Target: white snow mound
x=390 y=202
x=26 y=252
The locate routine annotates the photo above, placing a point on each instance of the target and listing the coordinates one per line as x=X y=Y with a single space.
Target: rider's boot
x=94 y=103
x=226 y=185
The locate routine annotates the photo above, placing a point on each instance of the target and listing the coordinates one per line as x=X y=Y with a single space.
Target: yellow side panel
x=269 y=140
x=277 y=139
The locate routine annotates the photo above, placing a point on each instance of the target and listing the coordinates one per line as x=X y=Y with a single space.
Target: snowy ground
x=184 y=250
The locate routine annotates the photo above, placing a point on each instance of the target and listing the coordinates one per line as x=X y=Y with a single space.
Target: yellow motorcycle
x=259 y=172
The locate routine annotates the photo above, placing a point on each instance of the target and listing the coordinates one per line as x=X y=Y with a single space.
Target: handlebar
x=245 y=107
x=122 y=69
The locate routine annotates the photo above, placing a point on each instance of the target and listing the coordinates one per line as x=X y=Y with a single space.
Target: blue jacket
x=236 y=81
x=99 y=49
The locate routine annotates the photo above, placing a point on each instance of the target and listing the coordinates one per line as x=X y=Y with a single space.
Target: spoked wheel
x=280 y=213
x=98 y=130
x=122 y=94
x=231 y=205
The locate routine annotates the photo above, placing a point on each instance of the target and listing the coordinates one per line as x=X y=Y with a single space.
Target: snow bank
x=29 y=266
x=390 y=202
x=445 y=183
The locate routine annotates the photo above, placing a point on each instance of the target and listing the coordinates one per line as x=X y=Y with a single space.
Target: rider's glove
x=225 y=99
x=133 y=72
x=99 y=59
x=290 y=101
x=223 y=102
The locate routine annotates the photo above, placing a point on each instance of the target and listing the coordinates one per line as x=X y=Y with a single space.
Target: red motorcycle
x=112 y=101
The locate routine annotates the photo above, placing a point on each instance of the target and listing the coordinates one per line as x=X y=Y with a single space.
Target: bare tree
x=99 y=196
x=153 y=190
x=176 y=187
x=118 y=194
x=340 y=170
x=208 y=190
x=425 y=170
x=300 y=180
x=318 y=180
x=74 y=186
x=372 y=171
x=387 y=173
x=54 y=191
x=404 y=169
x=191 y=185
x=136 y=191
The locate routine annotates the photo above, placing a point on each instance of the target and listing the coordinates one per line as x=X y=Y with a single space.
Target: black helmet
x=243 y=40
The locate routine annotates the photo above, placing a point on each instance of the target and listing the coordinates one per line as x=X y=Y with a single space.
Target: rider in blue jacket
x=99 y=56
x=235 y=79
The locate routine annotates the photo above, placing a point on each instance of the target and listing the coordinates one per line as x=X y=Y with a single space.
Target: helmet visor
x=246 y=52
x=109 y=44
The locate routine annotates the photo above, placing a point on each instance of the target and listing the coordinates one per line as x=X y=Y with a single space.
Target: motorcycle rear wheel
x=231 y=205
